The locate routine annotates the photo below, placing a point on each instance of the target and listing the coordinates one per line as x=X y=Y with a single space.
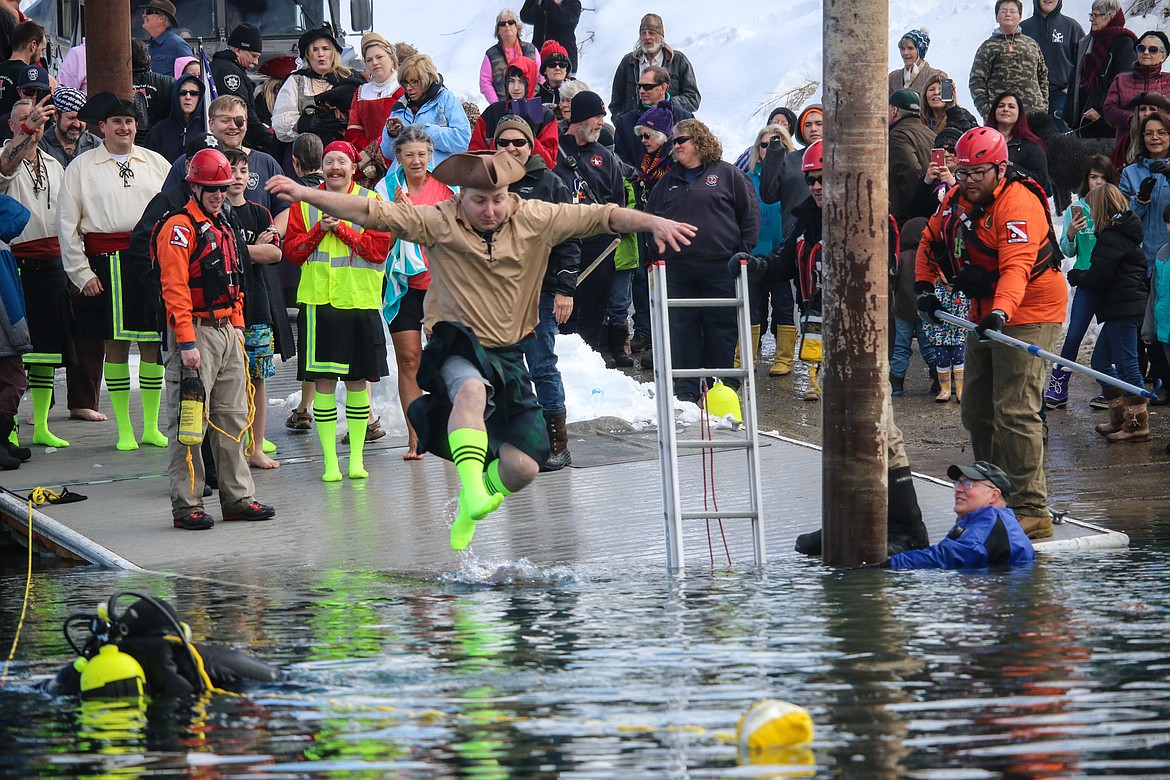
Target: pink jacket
x=1125 y=88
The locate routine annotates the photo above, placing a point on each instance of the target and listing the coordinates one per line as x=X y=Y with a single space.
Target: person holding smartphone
x=940 y=109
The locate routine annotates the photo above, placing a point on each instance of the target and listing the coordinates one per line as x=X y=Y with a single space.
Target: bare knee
x=471 y=394
x=517 y=469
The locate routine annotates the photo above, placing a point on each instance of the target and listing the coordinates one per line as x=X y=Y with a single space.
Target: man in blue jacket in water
x=986 y=533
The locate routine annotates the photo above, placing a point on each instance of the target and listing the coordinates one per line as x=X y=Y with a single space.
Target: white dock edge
x=52 y=534
x=1101 y=539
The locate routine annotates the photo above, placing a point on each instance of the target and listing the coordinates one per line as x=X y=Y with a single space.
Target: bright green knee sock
x=118 y=386
x=40 y=383
x=469 y=451
x=325 y=415
x=357 y=411
x=491 y=479
x=150 y=382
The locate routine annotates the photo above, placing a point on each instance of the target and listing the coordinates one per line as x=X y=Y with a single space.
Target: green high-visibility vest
x=334 y=274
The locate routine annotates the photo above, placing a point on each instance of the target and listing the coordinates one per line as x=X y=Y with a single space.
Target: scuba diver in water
x=147 y=649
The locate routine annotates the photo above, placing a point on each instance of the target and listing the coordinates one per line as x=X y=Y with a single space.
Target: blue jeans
x=617 y=309
x=1057 y=100
x=640 y=292
x=905 y=333
x=1116 y=351
x=1078 y=323
x=540 y=354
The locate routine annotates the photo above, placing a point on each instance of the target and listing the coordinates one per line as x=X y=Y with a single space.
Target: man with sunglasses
x=201 y=263
x=652 y=49
x=166 y=45
x=653 y=88
x=992 y=236
x=28 y=47
x=986 y=533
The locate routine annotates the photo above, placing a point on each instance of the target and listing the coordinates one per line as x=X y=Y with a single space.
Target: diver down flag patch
x=180 y=236
x=1017 y=232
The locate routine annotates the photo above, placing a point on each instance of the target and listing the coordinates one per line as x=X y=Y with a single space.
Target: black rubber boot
x=20 y=454
x=7 y=461
x=617 y=335
x=810 y=543
x=904 y=527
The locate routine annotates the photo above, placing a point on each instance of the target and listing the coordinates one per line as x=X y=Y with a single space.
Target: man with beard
x=594 y=175
x=68 y=136
x=653 y=50
x=993 y=237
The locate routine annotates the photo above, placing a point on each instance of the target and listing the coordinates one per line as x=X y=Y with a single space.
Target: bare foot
x=261 y=461
x=89 y=415
x=411 y=454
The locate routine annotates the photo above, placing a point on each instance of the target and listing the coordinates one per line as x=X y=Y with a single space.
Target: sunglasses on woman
x=504 y=143
x=1141 y=48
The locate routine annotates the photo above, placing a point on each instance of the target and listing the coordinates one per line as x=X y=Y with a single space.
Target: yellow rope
x=250 y=447
x=208 y=686
x=37 y=497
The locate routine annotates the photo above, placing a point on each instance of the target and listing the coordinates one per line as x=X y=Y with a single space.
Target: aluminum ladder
x=668 y=442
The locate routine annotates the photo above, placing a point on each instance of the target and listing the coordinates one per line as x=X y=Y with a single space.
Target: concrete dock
x=606 y=506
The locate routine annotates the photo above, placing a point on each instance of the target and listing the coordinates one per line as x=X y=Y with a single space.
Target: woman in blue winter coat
x=1145 y=181
x=427 y=103
x=1117 y=278
x=1078 y=236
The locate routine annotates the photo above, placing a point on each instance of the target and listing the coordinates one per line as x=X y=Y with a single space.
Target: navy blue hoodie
x=1059 y=37
x=169 y=137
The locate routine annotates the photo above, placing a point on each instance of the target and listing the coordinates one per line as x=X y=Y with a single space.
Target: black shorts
x=50 y=316
x=347 y=344
x=410 y=312
x=121 y=312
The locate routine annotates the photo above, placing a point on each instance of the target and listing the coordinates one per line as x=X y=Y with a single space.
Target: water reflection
x=507 y=670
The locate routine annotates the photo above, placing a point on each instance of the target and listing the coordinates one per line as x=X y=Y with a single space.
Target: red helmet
x=813 y=157
x=981 y=145
x=210 y=167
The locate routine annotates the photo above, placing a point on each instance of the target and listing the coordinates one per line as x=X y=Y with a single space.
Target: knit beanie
x=512 y=122
x=947 y=138
x=1160 y=36
x=550 y=49
x=660 y=118
x=920 y=40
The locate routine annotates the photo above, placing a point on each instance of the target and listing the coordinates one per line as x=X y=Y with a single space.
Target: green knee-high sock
x=357 y=409
x=150 y=382
x=325 y=415
x=491 y=479
x=40 y=383
x=469 y=451
x=118 y=385
x=463 y=528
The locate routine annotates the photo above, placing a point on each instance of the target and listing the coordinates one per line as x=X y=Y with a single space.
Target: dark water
x=1062 y=670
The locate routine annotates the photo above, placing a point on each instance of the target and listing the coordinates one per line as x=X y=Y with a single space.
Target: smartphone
x=1077 y=211
x=938 y=157
x=947 y=90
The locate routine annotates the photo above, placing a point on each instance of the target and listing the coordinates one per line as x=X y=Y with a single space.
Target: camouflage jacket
x=1009 y=63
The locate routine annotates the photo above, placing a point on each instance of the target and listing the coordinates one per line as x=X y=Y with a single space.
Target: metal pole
x=107 y=48
x=855 y=274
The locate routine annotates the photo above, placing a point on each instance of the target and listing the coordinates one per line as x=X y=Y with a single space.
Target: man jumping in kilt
x=489 y=252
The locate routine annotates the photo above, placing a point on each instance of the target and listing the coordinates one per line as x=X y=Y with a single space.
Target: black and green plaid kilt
x=516 y=418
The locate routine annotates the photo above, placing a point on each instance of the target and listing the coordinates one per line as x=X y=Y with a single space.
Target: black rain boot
x=617 y=334
x=10 y=460
x=809 y=544
x=558 y=438
x=904 y=527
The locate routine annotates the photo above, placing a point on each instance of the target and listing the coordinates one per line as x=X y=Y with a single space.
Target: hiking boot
x=639 y=342
x=194 y=521
x=253 y=511
x=1056 y=396
x=617 y=334
x=299 y=420
x=647 y=359
x=1098 y=402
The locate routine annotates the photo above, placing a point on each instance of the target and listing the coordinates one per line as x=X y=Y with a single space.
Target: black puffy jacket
x=1117 y=275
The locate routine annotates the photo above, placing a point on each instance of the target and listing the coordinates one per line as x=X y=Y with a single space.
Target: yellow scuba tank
x=776 y=732
x=723 y=401
x=111 y=674
x=192 y=397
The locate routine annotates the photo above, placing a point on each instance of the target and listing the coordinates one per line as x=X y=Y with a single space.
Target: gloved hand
x=756 y=265
x=1146 y=189
x=994 y=321
x=1161 y=166
x=928 y=303
x=1074 y=276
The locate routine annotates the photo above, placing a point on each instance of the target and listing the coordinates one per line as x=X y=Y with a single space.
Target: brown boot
x=1115 y=397
x=558 y=437
x=1135 y=424
x=1036 y=526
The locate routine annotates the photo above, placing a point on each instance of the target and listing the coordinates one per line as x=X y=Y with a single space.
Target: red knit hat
x=549 y=49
